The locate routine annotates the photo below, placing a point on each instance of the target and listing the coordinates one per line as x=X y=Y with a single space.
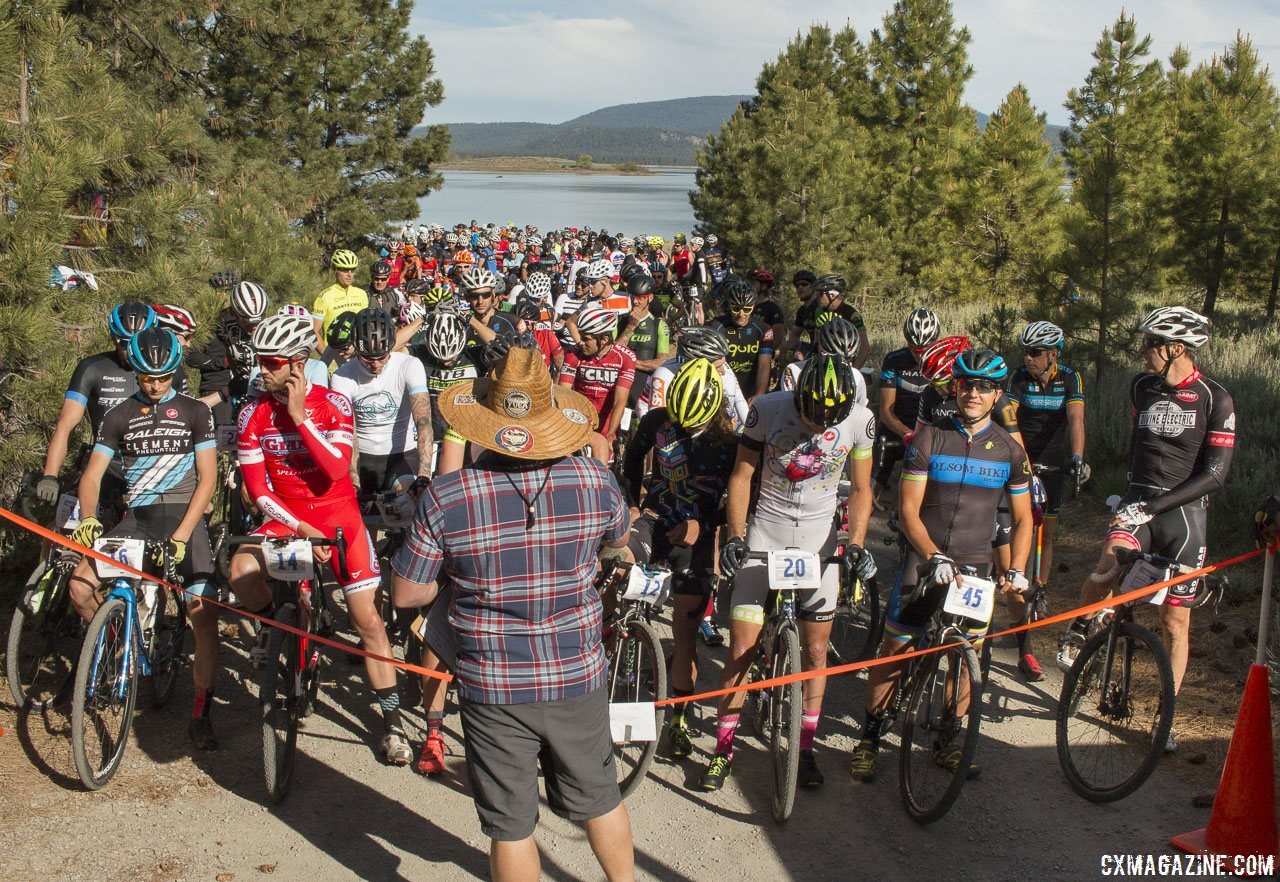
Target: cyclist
x=341 y=340
x=955 y=472
x=599 y=368
x=901 y=382
x=532 y=326
x=479 y=288
x=697 y=342
x=295 y=448
x=797 y=341
x=381 y=293
x=98 y=383
x=800 y=443
x=165 y=444
x=766 y=309
x=1050 y=401
x=392 y=410
x=750 y=339
x=698 y=275
x=1184 y=435
x=829 y=293
x=717 y=260
x=646 y=335
x=839 y=338
x=342 y=296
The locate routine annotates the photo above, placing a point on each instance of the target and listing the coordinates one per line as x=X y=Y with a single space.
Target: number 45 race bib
x=971 y=598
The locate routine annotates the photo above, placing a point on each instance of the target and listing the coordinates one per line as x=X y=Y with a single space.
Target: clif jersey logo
x=283 y=445
x=599 y=375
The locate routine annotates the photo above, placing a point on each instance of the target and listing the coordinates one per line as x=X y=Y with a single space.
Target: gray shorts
x=506 y=743
x=751 y=586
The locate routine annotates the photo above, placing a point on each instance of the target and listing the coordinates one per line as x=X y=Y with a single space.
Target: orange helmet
x=410 y=251
x=936 y=361
x=464 y=257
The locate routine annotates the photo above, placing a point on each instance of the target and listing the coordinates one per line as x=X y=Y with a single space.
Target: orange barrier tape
x=59 y=539
x=1089 y=609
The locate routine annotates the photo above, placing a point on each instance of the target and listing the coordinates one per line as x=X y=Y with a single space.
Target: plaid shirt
x=525 y=609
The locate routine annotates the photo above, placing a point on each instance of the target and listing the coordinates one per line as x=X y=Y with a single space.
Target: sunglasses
x=375 y=359
x=1035 y=353
x=742 y=310
x=802 y=285
x=155 y=378
x=477 y=295
x=985 y=387
x=1149 y=342
x=273 y=362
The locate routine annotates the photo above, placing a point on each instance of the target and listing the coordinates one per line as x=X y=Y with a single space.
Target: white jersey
x=791 y=374
x=800 y=471
x=655 y=392
x=383 y=411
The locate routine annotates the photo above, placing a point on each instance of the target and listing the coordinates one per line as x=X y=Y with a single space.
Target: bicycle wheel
x=166 y=650
x=280 y=699
x=1115 y=713
x=857 y=627
x=938 y=737
x=40 y=658
x=105 y=691
x=786 y=708
x=637 y=673
x=757 y=703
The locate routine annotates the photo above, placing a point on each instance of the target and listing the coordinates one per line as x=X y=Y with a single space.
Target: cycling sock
x=389 y=701
x=710 y=611
x=1023 y=645
x=873 y=727
x=435 y=722
x=726 y=728
x=203 y=702
x=679 y=715
x=808 y=728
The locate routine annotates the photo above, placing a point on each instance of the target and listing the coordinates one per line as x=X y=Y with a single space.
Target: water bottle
x=147 y=604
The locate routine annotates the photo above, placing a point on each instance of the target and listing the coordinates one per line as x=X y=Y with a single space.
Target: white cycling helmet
x=697 y=240
x=446 y=335
x=284 y=336
x=598 y=269
x=712 y=239
x=538 y=286
x=478 y=277
x=410 y=312
x=1177 y=324
x=293 y=309
x=249 y=301
x=451 y=238
x=1041 y=335
x=595 y=320
x=921 y=327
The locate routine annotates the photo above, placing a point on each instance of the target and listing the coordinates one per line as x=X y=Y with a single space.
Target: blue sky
x=504 y=60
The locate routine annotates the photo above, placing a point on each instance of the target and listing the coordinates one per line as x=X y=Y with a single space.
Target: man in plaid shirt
x=518 y=534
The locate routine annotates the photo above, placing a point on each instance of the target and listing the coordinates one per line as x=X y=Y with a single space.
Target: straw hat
x=518 y=412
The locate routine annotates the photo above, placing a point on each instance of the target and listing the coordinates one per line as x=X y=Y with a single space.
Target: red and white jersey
x=302 y=471
x=601 y=378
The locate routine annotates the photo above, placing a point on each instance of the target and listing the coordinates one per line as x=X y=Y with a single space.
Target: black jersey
x=99 y=383
x=901 y=371
x=746 y=345
x=690 y=473
x=501 y=323
x=439 y=378
x=1179 y=432
x=769 y=312
x=968 y=477
x=649 y=338
x=157 y=444
x=934 y=404
x=1042 y=411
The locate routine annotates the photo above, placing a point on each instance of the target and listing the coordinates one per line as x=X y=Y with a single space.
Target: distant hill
x=648 y=132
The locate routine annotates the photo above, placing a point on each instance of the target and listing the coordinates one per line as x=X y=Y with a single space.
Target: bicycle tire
x=786 y=711
x=858 y=626
x=1126 y=742
x=109 y=716
x=167 y=651
x=42 y=649
x=637 y=673
x=931 y=723
x=279 y=705
x=757 y=703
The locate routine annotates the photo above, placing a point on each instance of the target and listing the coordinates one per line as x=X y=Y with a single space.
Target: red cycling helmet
x=763 y=276
x=175 y=318
x=937 y=359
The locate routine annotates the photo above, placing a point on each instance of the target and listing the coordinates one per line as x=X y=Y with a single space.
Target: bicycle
x=389 y=512
x=776 y=712
x=637 y=666
x=1116 y=707
x=289 y=685
x=122 y=643
x=858 y=625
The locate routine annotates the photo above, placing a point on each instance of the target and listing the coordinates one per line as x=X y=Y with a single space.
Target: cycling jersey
x=746 y=346
x=1183 y=439
x=655 y=392
x=99 y=383
x=769 y=312
x=157 y=444
x=807 y=315
x=934 y=404
x=1042 y=411
x=382 y=403
x=791 y=375
x=601 y=378
x=690 y=472
x=501 y=323
x=440 y=378
x=800 y=470
x=335 y=300
x=901 y=371
x=717 y=263
x=650 y=337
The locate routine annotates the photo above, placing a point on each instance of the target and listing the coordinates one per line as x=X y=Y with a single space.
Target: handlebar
x=1210 y=587
x=338 y=543
x=764 y=555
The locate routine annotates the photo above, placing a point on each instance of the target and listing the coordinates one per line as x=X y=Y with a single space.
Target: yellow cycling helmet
x=656 y=242
x=696 y=394
x=435 y=296
x=344 y=260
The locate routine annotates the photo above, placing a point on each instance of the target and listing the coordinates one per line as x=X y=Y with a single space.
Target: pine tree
x=1115 y=233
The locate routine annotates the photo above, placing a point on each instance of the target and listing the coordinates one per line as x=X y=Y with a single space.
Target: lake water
x=654 y=204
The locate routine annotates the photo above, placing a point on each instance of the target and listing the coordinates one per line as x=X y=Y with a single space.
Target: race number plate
x=971 y=598
x=289 y=560
x=128 y=552
x=625 y=423
x=68 y=514
x=793 y=570
x=226 y=437
x=647 y=585
x=633 y=721
x=1142 y=574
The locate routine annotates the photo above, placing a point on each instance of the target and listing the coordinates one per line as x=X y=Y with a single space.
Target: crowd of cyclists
x=731 y=428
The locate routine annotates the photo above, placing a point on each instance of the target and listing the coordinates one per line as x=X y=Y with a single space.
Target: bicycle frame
x=124 y=590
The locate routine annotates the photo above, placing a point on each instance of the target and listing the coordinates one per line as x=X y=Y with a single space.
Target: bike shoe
x=1029 y=667
x=1068 y=648
x=862 y=765
x=1170 y=744
x=681 y=743
x=431 y=761
x=948 y=756
x=200 y=733
x=717 y=770
x=396 y=749
x=710 y=633
x=809 y=776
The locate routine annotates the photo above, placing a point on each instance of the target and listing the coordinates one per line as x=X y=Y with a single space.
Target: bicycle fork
x=132 y=627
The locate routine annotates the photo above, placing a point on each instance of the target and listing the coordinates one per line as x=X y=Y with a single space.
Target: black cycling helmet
x=641 y=284
x=224 y=280
x=628 y=271
x=155 y=351
x=825 y=391
x=129 y=319
x=738 y=293
x=832 y=283
x=803 y=275
x=342 y=330
x=526 y=309
x=375 y=335
x=380 y=269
